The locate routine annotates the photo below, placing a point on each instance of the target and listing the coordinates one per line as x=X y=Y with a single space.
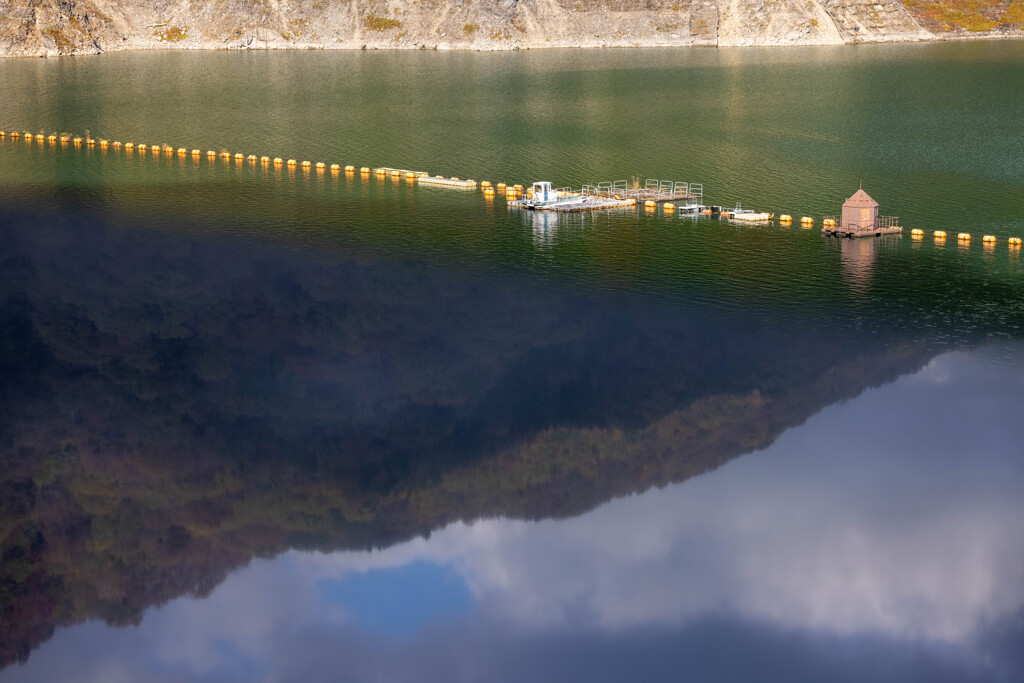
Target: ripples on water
x=207 y=363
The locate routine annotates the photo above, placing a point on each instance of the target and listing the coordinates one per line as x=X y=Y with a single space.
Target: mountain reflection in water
x=174 y=407
x=838 y=553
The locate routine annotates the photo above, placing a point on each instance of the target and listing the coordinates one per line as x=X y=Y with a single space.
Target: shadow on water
x=174 y=405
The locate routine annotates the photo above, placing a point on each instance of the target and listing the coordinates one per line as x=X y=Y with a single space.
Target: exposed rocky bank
x=56 y=27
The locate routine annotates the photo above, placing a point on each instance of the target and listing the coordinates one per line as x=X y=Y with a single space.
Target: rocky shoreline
x=43 y=28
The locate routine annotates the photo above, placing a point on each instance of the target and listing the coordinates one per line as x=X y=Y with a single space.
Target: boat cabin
x=542 y=192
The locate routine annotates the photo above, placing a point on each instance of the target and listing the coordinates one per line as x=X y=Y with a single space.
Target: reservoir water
x=263 y=424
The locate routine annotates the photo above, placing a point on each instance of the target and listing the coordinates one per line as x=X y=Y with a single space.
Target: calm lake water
x=270 y=425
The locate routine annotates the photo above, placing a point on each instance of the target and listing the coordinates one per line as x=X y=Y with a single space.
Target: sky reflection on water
x=881 y=540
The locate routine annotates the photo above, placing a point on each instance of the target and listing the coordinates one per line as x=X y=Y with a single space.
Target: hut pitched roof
x=861 y=199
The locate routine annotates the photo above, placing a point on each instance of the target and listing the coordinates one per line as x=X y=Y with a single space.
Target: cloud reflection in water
x=881 y=540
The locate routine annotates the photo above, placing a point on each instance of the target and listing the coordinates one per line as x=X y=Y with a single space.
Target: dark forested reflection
x=172 y=407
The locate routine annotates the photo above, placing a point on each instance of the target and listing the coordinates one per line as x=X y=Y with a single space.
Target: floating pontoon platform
x=883 y=225
x=853 y=234
x=573 y=204
x=752 y=216
x=441 y=181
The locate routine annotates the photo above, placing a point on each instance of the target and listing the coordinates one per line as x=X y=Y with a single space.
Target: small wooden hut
x=860 y=212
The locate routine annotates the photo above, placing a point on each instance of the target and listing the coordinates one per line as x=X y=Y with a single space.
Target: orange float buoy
x=278 y=161
x=292 y=163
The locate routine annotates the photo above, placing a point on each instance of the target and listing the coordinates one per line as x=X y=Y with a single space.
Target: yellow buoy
x=321 y=165
x=91 y=142
x=806 y=219
x=182 y=152
x=785 y=218
x=292 y=163
x=1014 y=240
x=939 y=234
x=350 y=168
x=485 y=183
x=116 y=144
x=264 y=160
x=964 y=236
x=77 y=141
x=988 y=238
x=3 y=134
x=15 y=134
x=501 y=186
x=53 y=138
x=917 y=232
x=28 y=137
x=239 y=157
x=129 y=146
x=364 y=169
x=142 y=147
x=306 y=164
x=251 y=158
x=335 y=167
x=278 y=161
x=65 y=138
x=650 y=204
x=196 y=153
x=668 y=206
